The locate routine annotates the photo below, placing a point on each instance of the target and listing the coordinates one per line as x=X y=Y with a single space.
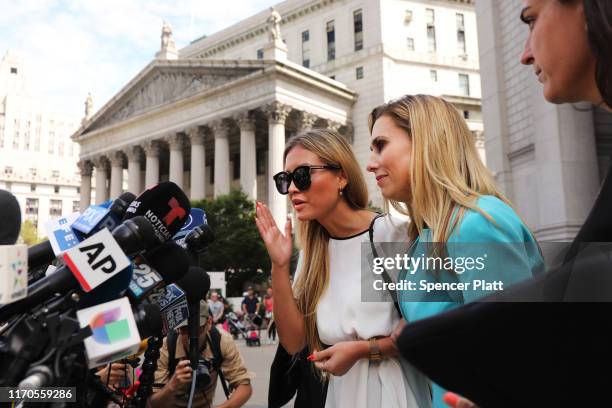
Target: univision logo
x=107 y=328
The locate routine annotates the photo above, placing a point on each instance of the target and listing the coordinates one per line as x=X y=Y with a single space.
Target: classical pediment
x=166 y=82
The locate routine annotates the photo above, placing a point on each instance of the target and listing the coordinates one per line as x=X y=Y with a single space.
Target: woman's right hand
x=279 y=246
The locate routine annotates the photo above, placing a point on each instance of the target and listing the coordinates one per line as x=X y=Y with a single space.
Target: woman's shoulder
x=391 y=228
x=504 y=223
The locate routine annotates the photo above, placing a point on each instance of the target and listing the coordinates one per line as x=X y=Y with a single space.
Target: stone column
x=248 y=156
x=175 y=142
x=116 y=184
x=152 y=163
x=222 y=159
x=277 y=114
x=101 y=164
x=198 y=163
x=306 y=121
x=85 y=167
x=134 y=155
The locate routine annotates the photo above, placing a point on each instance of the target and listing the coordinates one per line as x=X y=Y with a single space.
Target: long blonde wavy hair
x=446 y=172
x=312 y=238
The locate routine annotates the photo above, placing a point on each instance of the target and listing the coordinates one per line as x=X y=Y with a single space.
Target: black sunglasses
x=300 y=177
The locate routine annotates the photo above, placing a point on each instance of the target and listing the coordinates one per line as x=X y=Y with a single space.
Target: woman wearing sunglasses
x=427 y=167
x=326 y=187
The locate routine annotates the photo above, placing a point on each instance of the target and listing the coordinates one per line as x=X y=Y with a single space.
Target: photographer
x=174 y=371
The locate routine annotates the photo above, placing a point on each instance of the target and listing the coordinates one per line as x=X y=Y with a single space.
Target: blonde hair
x=446 y=171
x=312 y=238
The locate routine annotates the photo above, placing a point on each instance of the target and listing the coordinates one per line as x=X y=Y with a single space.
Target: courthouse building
x=37 y=157
x=216 y=113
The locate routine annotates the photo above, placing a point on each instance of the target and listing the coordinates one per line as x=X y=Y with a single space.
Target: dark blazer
x=553 y=350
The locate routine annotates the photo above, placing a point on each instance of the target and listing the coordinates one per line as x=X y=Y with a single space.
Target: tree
x=29 y=233
x=237 y=249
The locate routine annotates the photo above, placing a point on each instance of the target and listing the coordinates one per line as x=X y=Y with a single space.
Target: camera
x=202 y=373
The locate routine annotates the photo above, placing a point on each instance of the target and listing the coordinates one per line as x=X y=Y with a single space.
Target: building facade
x=38 y=160
x=217 y=113
x=549 y=159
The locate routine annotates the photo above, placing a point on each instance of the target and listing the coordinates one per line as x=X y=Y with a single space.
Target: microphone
x=96 y=217
x=148 y=319
x=196 y=218
x=89 y=264
x=114 y=331
x=67 y=232
x=196 y=283
x=11 y=218
x=165 y=264
x=173 y=304
x=165 y=206
x=13 y=273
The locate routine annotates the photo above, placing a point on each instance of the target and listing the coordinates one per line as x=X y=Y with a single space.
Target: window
x=359 y=72
x=466 y=114
x=32 y=188
x=430 y=17
x=55 y=208
x=33 y=171
x=76 y=206
x=410 y=43
x=8 y=170
x=31 y=206
x=407 y=17
x=236 y=165
x=13 y=70
x=51 y=148
x=358 y=29
x=331 y=41
x=464 y=84
x=55 y=173
x=56 y=189
x=306 y=49
x=431 y=30
x=461 y=48
x=434 y=75
x=260 y=53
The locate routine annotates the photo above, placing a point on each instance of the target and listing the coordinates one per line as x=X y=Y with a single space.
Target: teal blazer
x=508 y=254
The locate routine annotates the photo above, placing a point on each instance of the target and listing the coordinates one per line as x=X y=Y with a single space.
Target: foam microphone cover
x=148 y=319
x=196 y=284
x=165 y=206
x=169 y=260
x=10 y=225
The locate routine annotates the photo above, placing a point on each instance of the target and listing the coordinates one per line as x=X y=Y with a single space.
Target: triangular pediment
x=165 y=82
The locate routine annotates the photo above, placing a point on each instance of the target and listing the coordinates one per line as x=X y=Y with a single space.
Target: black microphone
x=148 y=319
x=196 y=283
x=11 y=218
x=132 y=236
x=42 y=253
x=165 y=206
x=199 y=238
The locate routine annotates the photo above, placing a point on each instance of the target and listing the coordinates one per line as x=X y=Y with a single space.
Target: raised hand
x=278 y=245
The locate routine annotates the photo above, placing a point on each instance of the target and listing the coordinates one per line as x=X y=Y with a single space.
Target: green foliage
x=374 y=208
x=238 y=249
x=29 y=233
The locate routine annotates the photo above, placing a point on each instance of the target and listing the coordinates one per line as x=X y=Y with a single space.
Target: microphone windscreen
x=148 y=320
x=11 y=218
x=169 y=260
x=165 y=206
x=196 y=284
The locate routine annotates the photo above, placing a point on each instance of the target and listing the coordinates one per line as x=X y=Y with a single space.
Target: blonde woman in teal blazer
x=427 y=167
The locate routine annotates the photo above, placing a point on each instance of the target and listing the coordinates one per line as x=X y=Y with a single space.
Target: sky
x=72 y=47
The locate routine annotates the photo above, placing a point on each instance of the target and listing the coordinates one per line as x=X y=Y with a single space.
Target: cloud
x=72 y=47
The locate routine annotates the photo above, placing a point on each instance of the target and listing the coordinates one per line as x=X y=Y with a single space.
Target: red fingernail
x=451 y=399
x=311 y=357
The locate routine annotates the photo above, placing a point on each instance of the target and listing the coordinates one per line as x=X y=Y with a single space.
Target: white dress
x=342 y=316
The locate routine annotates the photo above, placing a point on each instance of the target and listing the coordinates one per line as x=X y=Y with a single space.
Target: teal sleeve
x=504 y=246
